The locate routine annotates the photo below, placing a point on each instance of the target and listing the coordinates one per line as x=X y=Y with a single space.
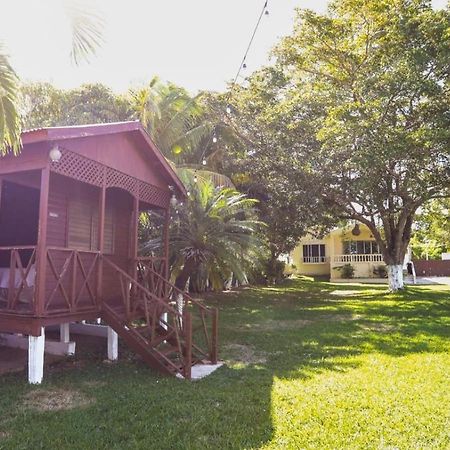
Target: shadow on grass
x=294 y=331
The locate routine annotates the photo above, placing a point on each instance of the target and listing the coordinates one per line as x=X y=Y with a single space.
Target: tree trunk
x=395 y=277
x=182 y=281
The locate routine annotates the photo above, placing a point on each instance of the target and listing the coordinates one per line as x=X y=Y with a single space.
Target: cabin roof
x=80 y=131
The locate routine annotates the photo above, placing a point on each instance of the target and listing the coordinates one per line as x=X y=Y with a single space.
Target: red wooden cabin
x=69 y=211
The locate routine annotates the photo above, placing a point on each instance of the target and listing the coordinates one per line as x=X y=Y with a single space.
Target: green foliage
x=432 y=230
x=347 y=270
x=43 y=105
x=175 y=120
x=354 y=117
x=380 y=271
x=9 y=116
x=213 y=236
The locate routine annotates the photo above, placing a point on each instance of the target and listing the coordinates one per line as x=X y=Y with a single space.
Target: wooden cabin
x=69 y=213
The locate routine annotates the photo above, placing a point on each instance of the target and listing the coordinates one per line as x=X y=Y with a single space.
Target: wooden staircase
x=165 y=326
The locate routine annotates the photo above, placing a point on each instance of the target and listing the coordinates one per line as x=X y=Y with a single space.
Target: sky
x=197 y=44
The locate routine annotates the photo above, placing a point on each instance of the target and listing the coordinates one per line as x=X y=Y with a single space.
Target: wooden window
x=314 y=253
x=83 y=226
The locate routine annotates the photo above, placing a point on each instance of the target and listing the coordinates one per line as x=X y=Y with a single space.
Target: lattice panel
x=114 y=178
x=88 y=171
x=153 y=195
x=79 y=168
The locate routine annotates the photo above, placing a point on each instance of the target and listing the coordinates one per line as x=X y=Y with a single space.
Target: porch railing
x=315 y=259
x=71 y=280
x=358 y=258
x=17 y=279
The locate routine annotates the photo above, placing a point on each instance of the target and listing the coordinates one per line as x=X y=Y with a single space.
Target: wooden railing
x=164 y=323
x=71 y=280
x=205 y=319
x=358 y=258
x=152 y=271
x=17 y=279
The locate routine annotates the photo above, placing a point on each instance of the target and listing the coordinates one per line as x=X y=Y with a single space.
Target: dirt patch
x=340 y=317
x=345 y=293
x=55 y=400
x=245 y=354
x=379 y=326
x=94 y=384
x=274 y=325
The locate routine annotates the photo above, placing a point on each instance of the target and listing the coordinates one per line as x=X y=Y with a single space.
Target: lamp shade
x=55 y=154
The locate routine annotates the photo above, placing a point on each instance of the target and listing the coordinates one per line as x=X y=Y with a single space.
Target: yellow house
x=353 y=245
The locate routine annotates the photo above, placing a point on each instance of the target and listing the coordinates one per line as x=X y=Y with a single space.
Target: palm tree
x=86 y=37
x=214 y=234
x=176 y=121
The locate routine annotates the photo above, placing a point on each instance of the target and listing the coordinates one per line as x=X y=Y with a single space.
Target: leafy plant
x=380 y=271
x=214 y=236
x=347 y=271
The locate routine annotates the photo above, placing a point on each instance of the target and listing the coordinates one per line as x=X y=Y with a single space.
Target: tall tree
x=432 y=230
x=175 y=120
x=364 y=115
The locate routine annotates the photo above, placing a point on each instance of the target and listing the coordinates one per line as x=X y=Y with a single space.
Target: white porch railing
x=315 y=259
x=358 y=258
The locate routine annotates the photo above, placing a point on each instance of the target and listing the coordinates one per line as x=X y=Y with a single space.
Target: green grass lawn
x=309 y=365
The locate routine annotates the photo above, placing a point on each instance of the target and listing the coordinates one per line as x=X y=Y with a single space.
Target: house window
x=83 y=227
x=360 y=248
x=314 y=253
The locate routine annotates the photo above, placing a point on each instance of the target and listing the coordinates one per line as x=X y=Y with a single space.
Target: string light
x=243 y=65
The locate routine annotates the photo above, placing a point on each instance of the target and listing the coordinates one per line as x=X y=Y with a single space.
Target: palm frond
x=87 y=30
x=9 y=115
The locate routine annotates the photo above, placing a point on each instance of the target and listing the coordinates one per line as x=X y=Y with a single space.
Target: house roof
x=79 y=131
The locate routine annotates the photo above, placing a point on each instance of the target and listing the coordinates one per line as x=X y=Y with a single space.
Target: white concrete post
x=113 y=345
x=36 y=346
x=64 y=332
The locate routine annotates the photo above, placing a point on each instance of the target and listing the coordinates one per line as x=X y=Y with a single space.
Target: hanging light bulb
x=228 y=109
x=173 y=201
x=266 y=12
x=195 y=178
x=214 y=139
x=204 y=162
x=244 y=66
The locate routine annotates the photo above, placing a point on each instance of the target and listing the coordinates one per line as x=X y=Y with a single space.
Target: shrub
x=347 y=270
x=380 y=271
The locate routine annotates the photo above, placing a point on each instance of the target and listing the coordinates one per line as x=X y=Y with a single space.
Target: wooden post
x=165 y=274
x=64 y=332
x=187 y=328
x=41 y=251
x=215 y=336
x=101 y=237
x=133 y=269
x=113 y=345
x=36 y=347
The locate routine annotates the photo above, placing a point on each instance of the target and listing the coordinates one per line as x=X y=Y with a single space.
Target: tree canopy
x=357 y=118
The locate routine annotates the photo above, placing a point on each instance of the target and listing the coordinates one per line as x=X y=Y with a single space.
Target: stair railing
x=165 y=323
x=205 y=319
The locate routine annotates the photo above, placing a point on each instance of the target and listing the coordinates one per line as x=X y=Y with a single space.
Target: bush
x=347 y=271
x=380 y=271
